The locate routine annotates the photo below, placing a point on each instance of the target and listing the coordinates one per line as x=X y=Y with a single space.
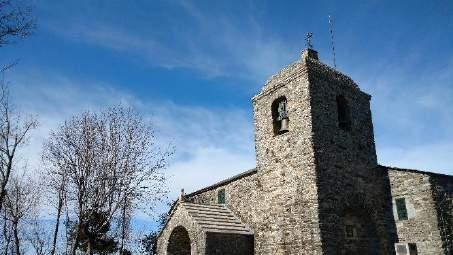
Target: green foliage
x=94 y=234
x=149 y=241
x=126 y=252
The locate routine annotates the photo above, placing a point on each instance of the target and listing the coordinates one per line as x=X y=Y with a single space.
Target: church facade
x=317 y=187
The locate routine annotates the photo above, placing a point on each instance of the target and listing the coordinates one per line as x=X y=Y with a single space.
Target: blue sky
x=192 y=67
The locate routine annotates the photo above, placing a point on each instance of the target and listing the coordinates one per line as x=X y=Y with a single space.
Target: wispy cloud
x=207 y=141
x=410 y=98
x=411 y=112
x=429 y=157
x=214 y=44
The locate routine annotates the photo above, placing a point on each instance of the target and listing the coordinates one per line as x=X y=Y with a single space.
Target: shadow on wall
x=359 y=219
x=231 y=244
x=442 y=191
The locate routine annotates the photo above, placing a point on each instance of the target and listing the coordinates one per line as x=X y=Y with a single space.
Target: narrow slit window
x=344 y=114
x=401 y=208
x=221 y=196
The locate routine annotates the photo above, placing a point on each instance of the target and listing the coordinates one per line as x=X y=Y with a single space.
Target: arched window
x=344 y=114
x=280 y=116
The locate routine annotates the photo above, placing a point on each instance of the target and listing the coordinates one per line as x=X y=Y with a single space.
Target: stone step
x=225 y=224
x=202 y=220
x=213 y=206
x=224 y=229
x=206 y=209
x=211 y=214
x=229 y=232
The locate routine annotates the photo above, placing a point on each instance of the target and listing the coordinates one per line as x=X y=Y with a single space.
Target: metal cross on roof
x=308 y=37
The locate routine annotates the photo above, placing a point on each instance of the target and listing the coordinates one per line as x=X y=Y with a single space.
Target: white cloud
x=211 y=144
x=52 y=100
x=411 y=113
x=208 y=166
x=430 y=157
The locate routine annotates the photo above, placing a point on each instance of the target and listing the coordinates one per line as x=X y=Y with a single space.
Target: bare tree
x=112 y=165
x=19 y=202
x=148 y=242
x=37 y=235
x=124 y=222
x=14 y=133
x=15 y=21
x=55 y=181
x=6 y=239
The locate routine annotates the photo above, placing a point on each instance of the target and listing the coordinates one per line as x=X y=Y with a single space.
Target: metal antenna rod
x=332 y=41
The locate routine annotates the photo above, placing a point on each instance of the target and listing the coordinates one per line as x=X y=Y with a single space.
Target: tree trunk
x=5 y=181
x=6 y=236
x=89 y=247
x=16 y=238
x=57 y=225
x=75 y=243
x=123 y=228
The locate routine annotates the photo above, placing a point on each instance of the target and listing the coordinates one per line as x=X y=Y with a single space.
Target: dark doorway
x=229 y=244
x=358 y=234
x=179 y=242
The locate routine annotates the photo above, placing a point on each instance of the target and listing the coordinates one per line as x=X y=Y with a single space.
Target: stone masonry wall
x=280 y=201
x=241 y=197
x=182 y=219
x=442 y=188
x=345 y=163
x=317 y=179
x=286 y=165
x=422 y=224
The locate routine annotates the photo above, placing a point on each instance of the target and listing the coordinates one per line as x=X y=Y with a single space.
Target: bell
x=284 y=126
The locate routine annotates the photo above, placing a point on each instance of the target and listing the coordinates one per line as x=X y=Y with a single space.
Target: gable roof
x=224 y=182
x=215 y=218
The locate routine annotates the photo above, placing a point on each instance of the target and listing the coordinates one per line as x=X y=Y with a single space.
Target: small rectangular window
x=401 y=249
x=349 y=229
x=401 y=208
x=221 y=196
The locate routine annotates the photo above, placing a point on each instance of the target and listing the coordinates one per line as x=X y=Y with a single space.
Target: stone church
x=317 y=187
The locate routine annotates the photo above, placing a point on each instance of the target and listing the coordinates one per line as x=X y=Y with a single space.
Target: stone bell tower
x=314 y=147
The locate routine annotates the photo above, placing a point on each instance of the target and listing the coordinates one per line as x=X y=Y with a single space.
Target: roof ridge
x=413 y=170
x=224 y=182
x=193 y=203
